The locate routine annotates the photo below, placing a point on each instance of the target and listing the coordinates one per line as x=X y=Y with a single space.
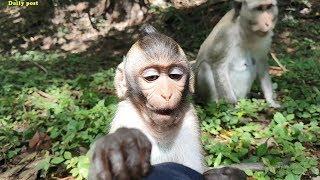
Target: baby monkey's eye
x=176 y=73
x=259 y=8
x=150 y=74
x=269 y=6
x=151 y=78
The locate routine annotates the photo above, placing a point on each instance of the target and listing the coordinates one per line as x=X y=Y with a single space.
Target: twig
x=309 y=17
x=250 y=166
x=39 y=66
x=66 y=178
x=243 y=166
x=47 y=96
x=316 y=90
x=93 y=25
x=278 y=62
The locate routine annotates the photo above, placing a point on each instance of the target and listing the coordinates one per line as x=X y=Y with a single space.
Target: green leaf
x=266 y=161
x=43 y=165
x=54 y=132
x=291 y=176
x=209 y=160
x=217 y=161
x=297 y=169
x=249 y=172
x=67 y=155
x=306 y=115
x=272 y=169
x=233 y=157
x=83 y=166
x=74 y=172
x=279 y=118
x=57 y=160
x=290 y=117
x=262 y=149
x=315 y=171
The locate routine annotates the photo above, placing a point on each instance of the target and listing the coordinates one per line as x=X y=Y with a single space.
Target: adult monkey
x=153 y=83
x=236 y=52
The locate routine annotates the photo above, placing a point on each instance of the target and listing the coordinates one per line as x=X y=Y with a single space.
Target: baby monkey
x=154 y=122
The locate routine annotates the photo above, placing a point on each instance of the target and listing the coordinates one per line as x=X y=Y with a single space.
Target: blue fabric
x=172 y=171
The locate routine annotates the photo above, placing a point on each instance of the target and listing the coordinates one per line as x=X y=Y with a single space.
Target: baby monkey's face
x=159 y=78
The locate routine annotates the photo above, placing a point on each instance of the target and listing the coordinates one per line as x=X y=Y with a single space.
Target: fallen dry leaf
x=39 y=140
x=290 y=50
x=276 y=71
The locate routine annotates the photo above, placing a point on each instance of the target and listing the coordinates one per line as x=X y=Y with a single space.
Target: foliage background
x=56 y=86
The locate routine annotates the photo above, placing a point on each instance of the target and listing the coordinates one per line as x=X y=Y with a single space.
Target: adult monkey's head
x=155 y=75
x=259 y=16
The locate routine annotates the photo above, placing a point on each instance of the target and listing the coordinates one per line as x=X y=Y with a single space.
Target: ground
x=57 y=94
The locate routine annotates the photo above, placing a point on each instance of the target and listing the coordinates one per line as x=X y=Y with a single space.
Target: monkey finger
x=145 y=161
x=145 y=147
x=118 y=166
x=100 y=166
x=132 y=158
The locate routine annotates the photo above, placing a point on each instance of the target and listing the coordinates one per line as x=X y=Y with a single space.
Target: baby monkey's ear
x=120 y=82
x=191 y=82
x=237 y=4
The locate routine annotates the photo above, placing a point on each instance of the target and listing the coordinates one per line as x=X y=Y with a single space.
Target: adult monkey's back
x=236 y=52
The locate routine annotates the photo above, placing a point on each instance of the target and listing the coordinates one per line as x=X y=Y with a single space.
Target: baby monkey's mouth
x=164 y=111
x=262 y=33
